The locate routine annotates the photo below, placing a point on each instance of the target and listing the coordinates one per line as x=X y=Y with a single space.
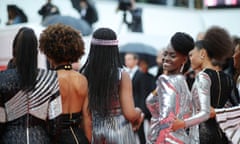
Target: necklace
x=65 y=67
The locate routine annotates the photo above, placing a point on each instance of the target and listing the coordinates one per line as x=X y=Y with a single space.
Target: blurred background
x=151 y=22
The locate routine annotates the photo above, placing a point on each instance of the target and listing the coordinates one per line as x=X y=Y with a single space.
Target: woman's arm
x=87 y=121
x=203 y=83
x=134 y=115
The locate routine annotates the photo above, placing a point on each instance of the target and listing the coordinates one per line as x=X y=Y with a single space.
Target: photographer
x=87 y=10
x=136 y=13
x=48 y=9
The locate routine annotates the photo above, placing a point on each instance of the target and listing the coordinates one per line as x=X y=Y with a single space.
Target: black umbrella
x=78 y=24
x=144 y=51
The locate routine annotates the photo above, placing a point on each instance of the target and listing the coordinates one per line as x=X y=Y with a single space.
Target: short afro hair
x=218 y=43
x=62 y=43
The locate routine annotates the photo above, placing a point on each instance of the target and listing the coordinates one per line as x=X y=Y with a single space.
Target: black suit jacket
x=143 y=85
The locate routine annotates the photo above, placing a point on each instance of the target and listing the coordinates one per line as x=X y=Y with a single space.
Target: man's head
x=131 y=60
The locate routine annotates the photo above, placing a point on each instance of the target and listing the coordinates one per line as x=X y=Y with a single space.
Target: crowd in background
x=50 y=13
x=110 y=100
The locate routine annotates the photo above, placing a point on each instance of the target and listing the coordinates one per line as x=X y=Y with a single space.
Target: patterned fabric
x=172 y=101
x=2 y=115
x=16 y=132
x=26 y=112
x=38 y=98
x=229 y=121
x=114 y=129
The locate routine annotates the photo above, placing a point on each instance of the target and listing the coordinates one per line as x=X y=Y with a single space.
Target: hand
x=154 y=92
x=137 y=123
x=212 y=112
x=178 y=124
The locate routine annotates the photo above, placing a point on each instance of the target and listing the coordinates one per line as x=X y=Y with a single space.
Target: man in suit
x=140 y=88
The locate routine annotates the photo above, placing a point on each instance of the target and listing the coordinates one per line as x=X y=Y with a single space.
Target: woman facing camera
x=171 y=99
x=212 y=87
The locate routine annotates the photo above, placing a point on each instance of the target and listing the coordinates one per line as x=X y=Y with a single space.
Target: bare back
x=73 y=90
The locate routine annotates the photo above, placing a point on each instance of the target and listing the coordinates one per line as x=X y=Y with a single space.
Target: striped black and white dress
x=24 y=114
x=229 y=121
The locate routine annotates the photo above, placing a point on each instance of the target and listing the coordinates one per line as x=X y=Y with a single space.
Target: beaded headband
x=104 y=42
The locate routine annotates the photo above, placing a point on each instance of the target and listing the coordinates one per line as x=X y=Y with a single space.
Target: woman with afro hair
x=211 y=88
x=71 y=121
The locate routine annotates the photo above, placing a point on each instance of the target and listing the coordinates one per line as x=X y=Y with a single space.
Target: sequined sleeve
x=201 y=94
x=167 y=97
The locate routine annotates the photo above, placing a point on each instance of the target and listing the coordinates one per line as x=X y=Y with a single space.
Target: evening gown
x=24 y=113
x=114 y=128
x=35 y=117
x=220 y=90
x=65 y=129
x=172 y=101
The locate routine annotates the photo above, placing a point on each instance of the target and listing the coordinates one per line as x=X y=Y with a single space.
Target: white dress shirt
x=132 y=71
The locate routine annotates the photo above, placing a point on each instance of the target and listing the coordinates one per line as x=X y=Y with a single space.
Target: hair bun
x=182 y=42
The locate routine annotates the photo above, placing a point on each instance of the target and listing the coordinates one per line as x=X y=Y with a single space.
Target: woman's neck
x=207 y=64
x=63 y=66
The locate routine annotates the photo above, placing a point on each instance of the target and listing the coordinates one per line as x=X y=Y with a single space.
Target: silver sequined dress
x=172 y=101
x=200 y=104
x=112 y=129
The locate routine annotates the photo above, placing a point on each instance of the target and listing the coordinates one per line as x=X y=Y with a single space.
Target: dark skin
x=173 y=60
x=172 y=63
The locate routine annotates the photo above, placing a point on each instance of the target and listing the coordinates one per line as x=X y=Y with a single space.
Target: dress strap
x=120 y=73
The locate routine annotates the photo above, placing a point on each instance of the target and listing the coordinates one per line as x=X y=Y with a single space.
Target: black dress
x=66 y=129
x=23 y=113
x=221 y=88
x=16 y=132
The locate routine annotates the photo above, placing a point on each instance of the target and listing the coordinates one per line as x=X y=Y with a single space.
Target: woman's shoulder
x=80 y=76
x=9 y=79
x=204 y=78
x=41 y=70
x=8 y=75
x=123 y=74
x=164 y=77
x=46 y=74
x=8 y=71
x=78 y=80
